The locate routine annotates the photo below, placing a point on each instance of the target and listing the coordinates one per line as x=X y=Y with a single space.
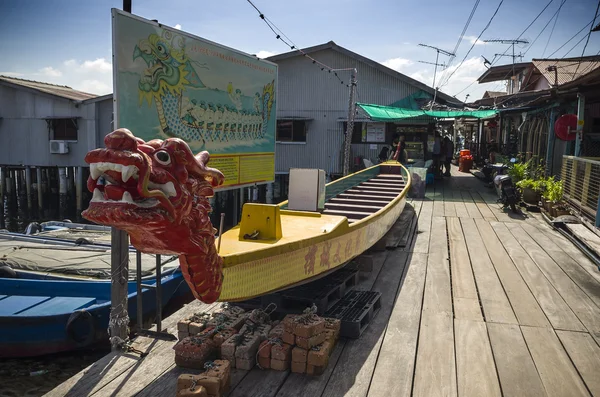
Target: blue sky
x=69 y=41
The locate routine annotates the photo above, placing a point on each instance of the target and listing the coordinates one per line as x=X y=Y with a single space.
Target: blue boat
x=47 y=309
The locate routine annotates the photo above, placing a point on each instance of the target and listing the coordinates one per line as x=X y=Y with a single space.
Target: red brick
x=195 y=392
x=212 y=385
x=318 y=355
x=298 y=368
x=246 y=364
x=221 y=369
x=196 y=328
x=264 y=362
x=228 y=347
x=264 y=349
x=256 y=329
x=277 y=331
x=282 y=352
x=223 y=335
x=333 y=324
x=316 y=370
x=307 y=343
x=193 y=352
x=183 y=326
x=312 y=327
x=289 y=338
x=248 y=347
x=299 y=355
x=279 y=365
x=289 y=322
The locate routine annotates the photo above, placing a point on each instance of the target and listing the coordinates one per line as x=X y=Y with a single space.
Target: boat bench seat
x=58 y=305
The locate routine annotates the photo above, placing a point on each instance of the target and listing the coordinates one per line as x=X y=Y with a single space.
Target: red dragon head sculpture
x=158 y=191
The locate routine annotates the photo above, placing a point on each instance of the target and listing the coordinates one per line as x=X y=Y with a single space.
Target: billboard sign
x=168 y=83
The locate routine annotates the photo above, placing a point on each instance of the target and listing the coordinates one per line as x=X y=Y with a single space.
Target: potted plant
x=531 y=190
x=518 y=171
x=553 y=195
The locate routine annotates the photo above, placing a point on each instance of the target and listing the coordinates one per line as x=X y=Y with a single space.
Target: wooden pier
x=479 y=303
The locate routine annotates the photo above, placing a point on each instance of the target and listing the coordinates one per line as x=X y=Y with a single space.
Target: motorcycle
x=506 y=190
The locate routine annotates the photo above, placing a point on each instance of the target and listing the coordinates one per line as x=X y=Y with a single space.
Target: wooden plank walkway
x=478 y=302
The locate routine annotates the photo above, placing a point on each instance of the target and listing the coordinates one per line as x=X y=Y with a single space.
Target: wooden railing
x=581 y=179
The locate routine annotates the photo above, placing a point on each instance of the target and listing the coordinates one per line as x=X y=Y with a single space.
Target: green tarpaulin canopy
x=390 y=113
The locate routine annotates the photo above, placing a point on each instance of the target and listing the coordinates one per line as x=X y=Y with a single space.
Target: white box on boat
x=307 y=189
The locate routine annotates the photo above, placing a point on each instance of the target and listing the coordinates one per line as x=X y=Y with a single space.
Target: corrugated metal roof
x=493 y=94
x=58 y=90
x=566 y=68
x=391 y=72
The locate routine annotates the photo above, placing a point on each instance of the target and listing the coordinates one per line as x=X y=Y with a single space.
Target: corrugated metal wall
x=24 y=135
x=306 y=91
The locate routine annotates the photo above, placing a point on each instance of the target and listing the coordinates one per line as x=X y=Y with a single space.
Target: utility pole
x=350 y=123
x=119 y=274
x=512 y=44
x=437 y=56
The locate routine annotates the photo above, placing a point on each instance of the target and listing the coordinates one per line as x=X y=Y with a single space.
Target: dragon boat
x=158 y=192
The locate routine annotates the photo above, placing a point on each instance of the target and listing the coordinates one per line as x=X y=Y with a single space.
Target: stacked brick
x=214 y=382
x=300 y=343
x=227 y=316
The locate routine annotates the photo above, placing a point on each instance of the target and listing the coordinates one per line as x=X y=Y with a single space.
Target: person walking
x=437 y=151
x=449 y=154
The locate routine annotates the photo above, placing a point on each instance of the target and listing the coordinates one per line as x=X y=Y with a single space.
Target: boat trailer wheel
x=81 y=317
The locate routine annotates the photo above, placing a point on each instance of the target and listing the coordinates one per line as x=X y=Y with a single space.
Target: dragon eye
x=163 y=157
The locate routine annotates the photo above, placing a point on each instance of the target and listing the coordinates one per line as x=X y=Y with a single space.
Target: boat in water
x=55 y=294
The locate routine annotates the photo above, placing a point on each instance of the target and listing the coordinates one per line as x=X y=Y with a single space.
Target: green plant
x=518 y=171
x=553 y=191
x=536 y=185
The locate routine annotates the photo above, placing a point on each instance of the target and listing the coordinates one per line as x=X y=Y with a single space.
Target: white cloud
x=100 y=65
x=397 y=63
x=94 y=87
x=50 y=72
x=178 y=26
x=11 y=74
x=474 y=40
x=264 y=54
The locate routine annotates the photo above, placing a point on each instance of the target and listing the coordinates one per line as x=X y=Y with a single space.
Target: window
x=64 y=129
x=291 y=131
x=356 y=132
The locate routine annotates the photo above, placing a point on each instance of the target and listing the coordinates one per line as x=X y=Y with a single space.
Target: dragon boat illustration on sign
x=169 y=80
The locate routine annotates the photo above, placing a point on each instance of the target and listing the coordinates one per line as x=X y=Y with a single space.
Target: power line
x=460 y=38
x=287 y=41
x=545 y=26
x=528 y=26
x=588 y=36
x=553 y=26
x=504 y=53
x=473 y=45
x=567 y=42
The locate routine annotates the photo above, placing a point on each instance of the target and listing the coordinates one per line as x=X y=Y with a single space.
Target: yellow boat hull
x=311 y=244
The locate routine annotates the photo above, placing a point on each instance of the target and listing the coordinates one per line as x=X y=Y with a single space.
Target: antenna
x=438 y=50
x=432 y=63
x=486 y=62
x=512 y=42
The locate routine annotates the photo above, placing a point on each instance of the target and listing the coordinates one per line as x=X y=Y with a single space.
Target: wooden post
x=28 y=189
x=40 y=192
x=62 y=192
x=580 y=118
x=119 y=265
x=119 y=260
x=270 y=193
